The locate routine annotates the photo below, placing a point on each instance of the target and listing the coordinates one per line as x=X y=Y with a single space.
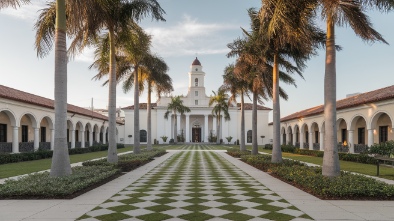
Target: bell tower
x=196 y=82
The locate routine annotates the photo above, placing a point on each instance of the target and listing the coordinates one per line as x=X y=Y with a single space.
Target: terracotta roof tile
x=141 y=105
x=357 y=100
x=21 y=96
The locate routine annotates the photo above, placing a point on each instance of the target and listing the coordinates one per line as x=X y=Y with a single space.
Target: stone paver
x=184 y=178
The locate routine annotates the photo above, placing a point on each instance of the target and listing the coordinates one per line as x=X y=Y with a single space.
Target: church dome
x=196 y=62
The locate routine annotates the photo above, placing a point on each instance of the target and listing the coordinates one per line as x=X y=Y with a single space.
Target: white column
x=310 y=140
x=178 y=124
x=90 y=138
x=187 y=130
x=302 y=135
x=82 y=138
x=294 y=139
x=36 y=138
x=52 y=139
x=15 y=140
x=98 y=136
x=205 y=138
x=350 y=142
x=370 y=137
x=321 y=141
x=104 y=137
x=214 y=125
x=288 y=138
x=73 y=139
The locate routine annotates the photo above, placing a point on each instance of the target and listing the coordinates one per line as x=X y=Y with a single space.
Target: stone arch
x=322 y=127
x=95 y=133
x=32 y=118
x=342 y=134
x=45 y=130
x=382 y=125
x=289 y=134
x=88 y=133
x=11 y=116
x=315 y=132
x=49 y=121
x=297 y=131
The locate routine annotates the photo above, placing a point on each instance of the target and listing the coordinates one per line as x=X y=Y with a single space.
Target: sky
x=193 y=28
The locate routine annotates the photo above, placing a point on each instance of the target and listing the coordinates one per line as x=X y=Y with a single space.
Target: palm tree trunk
x=60 y=160
x=242 y=145
x=276 y=151
x=112 y=151
x=175 y=126
x=136 y=112
x=330 y=159
x=255 y=150
x=149 y=112
x=218 y=129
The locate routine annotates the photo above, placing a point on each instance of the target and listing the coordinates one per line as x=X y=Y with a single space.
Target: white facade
x=198 y=124
x=362 y=119
x=27 y=123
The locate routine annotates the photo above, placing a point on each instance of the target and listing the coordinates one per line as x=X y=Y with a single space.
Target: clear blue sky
x=203 y=27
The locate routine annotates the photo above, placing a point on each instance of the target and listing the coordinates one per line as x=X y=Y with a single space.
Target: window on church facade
x=196 y=82
x=143 y=136
x=196 y=93
x=196 y=102
x=249 y=136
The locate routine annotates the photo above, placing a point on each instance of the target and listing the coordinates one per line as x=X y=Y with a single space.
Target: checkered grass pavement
x=197 y=147
x=195 y=185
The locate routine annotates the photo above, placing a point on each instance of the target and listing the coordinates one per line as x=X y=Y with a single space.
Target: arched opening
x=297 y=136
x=26 y=134
x=382 y=128
x=342 y=136
x=306 y=137
x=249 y=136
x=358 y=127
x=46 y=126
x=196 y=82
x=88 y=135
x=78 y=134
x=143 y=136
x=283 y=132
x=289 y=135
x=7 y=122
x=95 y=134
x=315 y=136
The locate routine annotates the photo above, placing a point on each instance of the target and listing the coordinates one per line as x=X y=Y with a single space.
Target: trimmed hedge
x=129 y=162
x=42 y=185
x=44 y=154
x=310 y=179
x=237 y=153
x=359 y=158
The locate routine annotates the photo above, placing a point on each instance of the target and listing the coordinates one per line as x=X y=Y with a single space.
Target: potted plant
x=164 y=138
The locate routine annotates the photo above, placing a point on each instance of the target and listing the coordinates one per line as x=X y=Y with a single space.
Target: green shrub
x=310 y=179
x=41 y=185
x=43 y=154
x=384 y=149
x=238 y=153
x=128 y=162
x=268 y=146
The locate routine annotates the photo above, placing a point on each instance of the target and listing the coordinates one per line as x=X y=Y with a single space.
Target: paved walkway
x=195 y=185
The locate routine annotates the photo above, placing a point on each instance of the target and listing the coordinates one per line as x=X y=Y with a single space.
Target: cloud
x=190 y=36
x=29 y=12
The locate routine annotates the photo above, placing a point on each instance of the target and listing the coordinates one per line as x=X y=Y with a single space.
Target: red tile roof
x=21 y=96
x=141 y=105
x=357 y=100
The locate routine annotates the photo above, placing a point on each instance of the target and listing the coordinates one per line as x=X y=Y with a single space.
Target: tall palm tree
x=254 y=66
x=176 y=106
x=237 y=87
x=156 y=78
x=114 y=17
x=342 y=13
x=220 y=99
x=290 y=37
x=12 y=3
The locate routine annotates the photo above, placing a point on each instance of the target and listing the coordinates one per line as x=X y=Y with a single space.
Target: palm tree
x=220 y=99
x=156 y=78
x=290 y=37
x=12 y=3
x=237 y=87
x=342 y=13
x=176 y=106
x=115 y=17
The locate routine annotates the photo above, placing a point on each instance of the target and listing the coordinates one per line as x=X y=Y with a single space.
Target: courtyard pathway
x=196 y=185
x=195 y=182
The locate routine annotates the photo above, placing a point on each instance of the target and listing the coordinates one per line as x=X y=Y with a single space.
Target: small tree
x=164 y=138
x=229 y=139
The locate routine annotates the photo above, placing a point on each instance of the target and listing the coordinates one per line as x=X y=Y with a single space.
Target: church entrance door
x=196 y=135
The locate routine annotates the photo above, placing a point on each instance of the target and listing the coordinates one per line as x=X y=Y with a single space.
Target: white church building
x=199 y=124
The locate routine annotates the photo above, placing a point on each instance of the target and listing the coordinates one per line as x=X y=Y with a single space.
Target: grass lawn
x=367 y=169
x=195 y=147
x=20 y=168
